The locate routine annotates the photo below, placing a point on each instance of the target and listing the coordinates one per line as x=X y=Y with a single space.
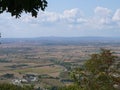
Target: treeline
x=6 y=86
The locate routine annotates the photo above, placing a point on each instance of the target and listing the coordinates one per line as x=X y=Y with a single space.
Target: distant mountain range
x=62 y=40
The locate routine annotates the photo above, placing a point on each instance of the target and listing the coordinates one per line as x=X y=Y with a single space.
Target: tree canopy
x=17 y=7
x=98 y=73
x=6 y=86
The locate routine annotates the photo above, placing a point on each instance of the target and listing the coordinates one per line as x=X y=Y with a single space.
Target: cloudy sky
x=66 y=18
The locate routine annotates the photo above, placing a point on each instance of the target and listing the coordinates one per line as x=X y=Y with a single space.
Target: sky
x=66 y=18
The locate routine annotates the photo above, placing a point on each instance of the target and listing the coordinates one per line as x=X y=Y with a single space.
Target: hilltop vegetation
x=100 y=72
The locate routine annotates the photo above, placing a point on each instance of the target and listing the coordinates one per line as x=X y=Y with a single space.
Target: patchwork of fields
x=47 y=61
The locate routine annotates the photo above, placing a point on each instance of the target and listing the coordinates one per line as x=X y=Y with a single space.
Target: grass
x=41 y=70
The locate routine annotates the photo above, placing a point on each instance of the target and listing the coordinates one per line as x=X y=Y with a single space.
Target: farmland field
x=49 y=57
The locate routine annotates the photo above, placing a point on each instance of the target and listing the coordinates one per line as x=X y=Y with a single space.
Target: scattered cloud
x=101 y=11
x=103 y=18
x=66 y=16
x=116 y=16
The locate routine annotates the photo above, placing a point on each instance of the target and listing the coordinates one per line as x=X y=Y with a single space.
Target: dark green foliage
x=16 y=7
x=71 y=87
x=4 y=61
x=100 y=62
x=98 y=73
x=53 y=88
x=7 y=75
x=6 y=86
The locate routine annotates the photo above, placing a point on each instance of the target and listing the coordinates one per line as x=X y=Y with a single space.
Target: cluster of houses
x=28 y=78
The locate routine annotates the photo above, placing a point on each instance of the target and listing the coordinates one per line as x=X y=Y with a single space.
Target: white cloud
x=101 y=11
x=71 y=16
x=59 y=23
x=116 y=16
x=82 y=20
x=67 y=16
x=102 y=19
x=52 y=17
x=73 y=13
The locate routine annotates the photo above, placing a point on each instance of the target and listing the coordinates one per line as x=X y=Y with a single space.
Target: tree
x=98 y=73
x=17 y=7
x=6 y=86
x=70 y=87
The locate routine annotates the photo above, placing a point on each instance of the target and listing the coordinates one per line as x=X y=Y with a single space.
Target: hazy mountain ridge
x=63 y=40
